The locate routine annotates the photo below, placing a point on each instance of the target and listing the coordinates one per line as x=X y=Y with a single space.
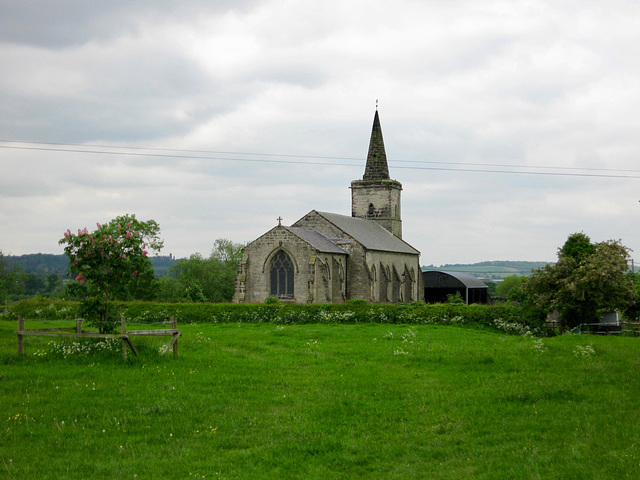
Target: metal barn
x=437 y=285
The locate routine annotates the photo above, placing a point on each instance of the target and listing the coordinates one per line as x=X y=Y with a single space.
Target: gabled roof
x=317 y=240
x=369 y=233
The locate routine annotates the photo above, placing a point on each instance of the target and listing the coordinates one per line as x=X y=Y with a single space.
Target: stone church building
x=329 y=258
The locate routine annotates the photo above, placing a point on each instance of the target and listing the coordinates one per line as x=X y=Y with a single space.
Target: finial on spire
x=376 y=104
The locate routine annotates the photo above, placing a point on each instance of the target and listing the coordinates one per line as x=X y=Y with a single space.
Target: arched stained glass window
x=281 y=276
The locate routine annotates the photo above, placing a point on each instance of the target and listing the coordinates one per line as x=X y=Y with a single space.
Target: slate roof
x=317 y=240
x=369 y=233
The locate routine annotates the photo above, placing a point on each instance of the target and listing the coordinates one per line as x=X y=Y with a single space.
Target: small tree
x=587 y=278
x=11 y=279
x=110 y=261
x=632 y=312
x=511 y=288
x=209 y=279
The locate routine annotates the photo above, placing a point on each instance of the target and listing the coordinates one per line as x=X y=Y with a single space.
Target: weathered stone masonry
x=329 y=258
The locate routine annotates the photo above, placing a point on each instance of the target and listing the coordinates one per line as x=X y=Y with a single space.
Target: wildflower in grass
x=585 y=351
x=82 y=348
x=409 y=336
x=538 y=347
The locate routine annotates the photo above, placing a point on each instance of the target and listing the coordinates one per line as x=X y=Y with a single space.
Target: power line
x=217 y=152
x=485 y=167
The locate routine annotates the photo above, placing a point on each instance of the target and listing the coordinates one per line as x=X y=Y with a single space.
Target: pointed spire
x=377 y=168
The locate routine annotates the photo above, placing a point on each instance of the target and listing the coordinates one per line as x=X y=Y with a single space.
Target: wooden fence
x=124 y=335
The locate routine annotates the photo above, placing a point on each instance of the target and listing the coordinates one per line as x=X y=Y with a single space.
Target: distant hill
x=40 y=262
x=492 y=269
x=50 y=263
x=162 y=263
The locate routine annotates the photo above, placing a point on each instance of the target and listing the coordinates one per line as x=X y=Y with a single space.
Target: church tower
x=376 y=196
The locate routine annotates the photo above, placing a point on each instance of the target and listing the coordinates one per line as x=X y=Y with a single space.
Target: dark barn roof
x=451 y=280
x=439 y=285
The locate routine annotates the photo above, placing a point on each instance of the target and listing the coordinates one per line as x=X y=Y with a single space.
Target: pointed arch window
x=372 y=210
x=282 y=276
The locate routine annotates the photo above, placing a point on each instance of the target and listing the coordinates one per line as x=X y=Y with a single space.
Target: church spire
x=377 y=197
x=377 y=168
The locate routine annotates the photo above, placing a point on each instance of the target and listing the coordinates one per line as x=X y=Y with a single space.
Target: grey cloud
x=65 y=23
x=127 y=98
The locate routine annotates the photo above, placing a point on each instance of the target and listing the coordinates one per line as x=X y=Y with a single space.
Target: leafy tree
x=111 y=261
x=227 y=252
x=632 y=311
x=169 y=289
x=33 y=284
x=587 y=278
x=54 y=283
x=491 y=288
x=511 y=288
x=11 y=279
x=207 y=279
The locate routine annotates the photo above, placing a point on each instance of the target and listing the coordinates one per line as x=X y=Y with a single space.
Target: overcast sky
x=510 y=124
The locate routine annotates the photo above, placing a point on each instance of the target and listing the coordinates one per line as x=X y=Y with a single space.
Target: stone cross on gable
x=279 y=221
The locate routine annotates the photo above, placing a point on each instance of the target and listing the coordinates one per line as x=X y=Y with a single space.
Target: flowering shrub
x=110 y=261
x=515 y=328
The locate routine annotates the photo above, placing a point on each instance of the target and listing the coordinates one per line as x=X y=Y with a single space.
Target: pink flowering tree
x=110 y=261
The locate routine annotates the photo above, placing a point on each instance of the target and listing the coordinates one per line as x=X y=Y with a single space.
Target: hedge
x=283 y=313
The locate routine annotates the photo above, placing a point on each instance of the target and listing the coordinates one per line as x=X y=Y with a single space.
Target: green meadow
x=322 y=401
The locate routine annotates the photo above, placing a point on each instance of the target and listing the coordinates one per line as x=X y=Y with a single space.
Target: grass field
x=322 y=402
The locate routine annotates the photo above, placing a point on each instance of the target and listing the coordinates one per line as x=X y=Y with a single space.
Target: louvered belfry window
x=282 y=276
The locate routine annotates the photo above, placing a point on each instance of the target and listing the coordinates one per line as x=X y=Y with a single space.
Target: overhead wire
x=288 y=159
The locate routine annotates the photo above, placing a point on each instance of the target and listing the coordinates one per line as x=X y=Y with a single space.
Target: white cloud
x=462 y=84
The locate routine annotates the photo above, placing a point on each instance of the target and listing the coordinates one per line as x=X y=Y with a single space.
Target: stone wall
x=379 y=201
x=318 y=277
x=388 y=284
x=365 y=282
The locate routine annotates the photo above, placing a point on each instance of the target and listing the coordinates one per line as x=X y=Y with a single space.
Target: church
x=329 y=258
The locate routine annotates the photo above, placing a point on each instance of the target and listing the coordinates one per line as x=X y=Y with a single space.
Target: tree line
x=198 y=278
x=113 y=263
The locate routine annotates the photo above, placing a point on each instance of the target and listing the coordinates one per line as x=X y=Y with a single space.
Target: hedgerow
x=284 y=313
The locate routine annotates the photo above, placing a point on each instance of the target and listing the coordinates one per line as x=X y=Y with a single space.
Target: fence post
x=78 y=326
x=174 y=326
x=123 y=330
x=20 y=335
